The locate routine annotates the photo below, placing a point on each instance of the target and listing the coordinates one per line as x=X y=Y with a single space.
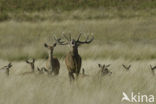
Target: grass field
x=121 y=37
x=39 y=89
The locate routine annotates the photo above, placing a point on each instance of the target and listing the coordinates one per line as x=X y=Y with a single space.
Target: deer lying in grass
x=104 y=70
x=73 y=59
x=7 y=68
x=32 y=65
x=53 y=63
x=152 y=69
x=126 y=67
x=40 y=70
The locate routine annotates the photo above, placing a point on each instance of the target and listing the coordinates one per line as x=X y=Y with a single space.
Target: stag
x=104 y=70
x=152 y=69
x=53 y=63
x=126 y=67
x=73 y=59
x=7 y=69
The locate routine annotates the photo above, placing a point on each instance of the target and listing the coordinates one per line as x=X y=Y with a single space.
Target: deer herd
x=73 y=60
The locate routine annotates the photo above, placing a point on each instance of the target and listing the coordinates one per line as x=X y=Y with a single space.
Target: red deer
x=126 y=67
x=7 y=68
x=53 y=63
x=31 y=63
x=104 y=70
x=73 y=59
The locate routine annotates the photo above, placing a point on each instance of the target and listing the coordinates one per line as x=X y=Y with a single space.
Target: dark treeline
x=38 y=5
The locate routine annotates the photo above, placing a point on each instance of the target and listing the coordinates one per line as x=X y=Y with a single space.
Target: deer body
x=73 y=59
x=73 y=62
x=53 y=63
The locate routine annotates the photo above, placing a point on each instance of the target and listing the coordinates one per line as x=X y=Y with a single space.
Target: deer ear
x=99 y=65
x=45 y=45
x=54 y=44
x=27 y=61
x=38 y=68
x=108 y=65
x=104 y=66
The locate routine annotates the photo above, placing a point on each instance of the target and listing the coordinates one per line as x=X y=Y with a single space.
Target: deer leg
x=153 y=72
x=71 y=76
x=7 y=72
x=77 y=75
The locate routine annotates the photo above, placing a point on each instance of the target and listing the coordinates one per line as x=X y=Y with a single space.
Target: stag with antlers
x=7 y=68
x=73 y=59
x=53 y=63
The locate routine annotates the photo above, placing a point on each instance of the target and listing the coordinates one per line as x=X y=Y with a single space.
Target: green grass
x=35 y=5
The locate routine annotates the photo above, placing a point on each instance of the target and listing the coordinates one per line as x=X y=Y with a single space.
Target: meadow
x=121 y=37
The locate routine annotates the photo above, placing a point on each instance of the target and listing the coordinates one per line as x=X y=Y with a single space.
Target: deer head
x=50 y=47
x=152 y=69
x=104 y=69
x=126 y=67
x=40 y=70
x=31 y=63
x=7 y=68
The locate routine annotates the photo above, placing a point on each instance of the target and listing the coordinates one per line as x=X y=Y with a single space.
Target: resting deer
x=7 y=68
x=126 y=67
x=152 y=69
x=40 y=70
x=104 y=70
x=31 y=63
x=73 y=59
x=53 y=63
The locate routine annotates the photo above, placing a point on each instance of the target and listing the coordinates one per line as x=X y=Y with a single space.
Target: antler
x=67 y=38
x=87 y=41
x=79 y=37
x=58 y=40
x=127 y=68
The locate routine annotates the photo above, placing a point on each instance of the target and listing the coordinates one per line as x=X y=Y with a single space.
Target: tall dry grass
x=41 y=89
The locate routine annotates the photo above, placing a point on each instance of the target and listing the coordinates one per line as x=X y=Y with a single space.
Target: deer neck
x=75 y=51
x=51 y=55
x=32 y=67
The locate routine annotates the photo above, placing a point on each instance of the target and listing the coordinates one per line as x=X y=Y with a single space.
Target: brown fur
x=73 y=63
x=53 y=63
x=73 y=59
